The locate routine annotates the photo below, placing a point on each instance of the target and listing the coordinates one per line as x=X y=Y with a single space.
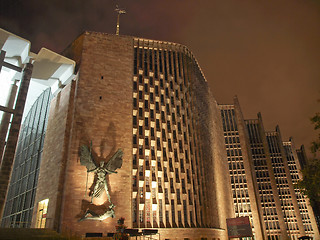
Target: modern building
x=241 y=168
x=19 y=69
x=135 y=132
x=302 y=156
x=306 y=213
x=263 y=170
x=23 y=184
x=150 y=99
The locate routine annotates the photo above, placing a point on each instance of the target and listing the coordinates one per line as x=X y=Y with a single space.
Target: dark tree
x=310 y=184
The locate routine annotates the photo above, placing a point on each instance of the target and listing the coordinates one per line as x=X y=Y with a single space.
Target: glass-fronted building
x=23 y=184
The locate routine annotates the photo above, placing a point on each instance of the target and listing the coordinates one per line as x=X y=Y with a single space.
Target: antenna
x=119 y=11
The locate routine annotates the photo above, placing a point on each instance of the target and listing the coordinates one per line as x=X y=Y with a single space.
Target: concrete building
x=263 y=170
x=150 y=99
x=244 y=185
x=306 y=212
x=187 y=162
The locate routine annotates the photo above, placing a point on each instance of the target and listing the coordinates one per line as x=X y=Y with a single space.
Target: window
x=173 y=211
x=141 y=216
x=169 y=145
x=134 y=120
x=169 y=126
x=140 y=150
x=163 y=134
x=177 y=175
x=134 y=181
x=174 y=136
x=173 y=118
x=160 y=211
x=159 y=182
x=189 y=197
x=140 y=57
x=41 y=213
x=151 y=97
x=163 y=117
x=178 y=196
x=134 y=160
x=171 y=185
x=134 y=208
x=141 y=192
x=135 y=70
x=183 y=185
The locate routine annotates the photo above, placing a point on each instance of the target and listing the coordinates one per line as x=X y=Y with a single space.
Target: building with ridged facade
x=263 y=170
x=150 y=99
x=138 y=134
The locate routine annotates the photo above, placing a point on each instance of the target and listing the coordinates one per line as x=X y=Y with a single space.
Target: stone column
x=7 y=161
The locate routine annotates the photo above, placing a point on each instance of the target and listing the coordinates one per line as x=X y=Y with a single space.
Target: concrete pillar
x=8 y=157
x=6 y=117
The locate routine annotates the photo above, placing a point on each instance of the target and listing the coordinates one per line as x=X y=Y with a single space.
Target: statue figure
x=99 y=217
x=100 y=170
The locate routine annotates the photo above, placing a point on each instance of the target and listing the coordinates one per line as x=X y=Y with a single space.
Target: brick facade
x=98 y=107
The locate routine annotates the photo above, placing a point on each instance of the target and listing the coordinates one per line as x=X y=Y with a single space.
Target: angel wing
x=115 y=161
x=86 y=158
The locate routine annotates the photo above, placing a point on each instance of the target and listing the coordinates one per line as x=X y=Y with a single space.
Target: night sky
x=265 y=52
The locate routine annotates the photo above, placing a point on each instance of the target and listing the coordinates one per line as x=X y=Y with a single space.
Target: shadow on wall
x=102 y=162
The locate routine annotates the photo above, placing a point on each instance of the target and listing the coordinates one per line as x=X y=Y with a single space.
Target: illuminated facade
x=262 y=170
x=241 y=169
x=150 y=99
x=303 y=204
x=188 y=162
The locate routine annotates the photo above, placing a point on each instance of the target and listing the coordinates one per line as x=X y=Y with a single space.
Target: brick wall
x=51 y=175
x=98 y=108
x=103 y=115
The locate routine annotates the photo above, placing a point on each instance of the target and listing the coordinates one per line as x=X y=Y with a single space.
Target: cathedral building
x=151 y=100
x=137 y=134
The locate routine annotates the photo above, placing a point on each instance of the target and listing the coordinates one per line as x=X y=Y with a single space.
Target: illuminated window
x=42 y=213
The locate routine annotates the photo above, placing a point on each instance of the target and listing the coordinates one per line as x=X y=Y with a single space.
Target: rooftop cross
x=119 y=11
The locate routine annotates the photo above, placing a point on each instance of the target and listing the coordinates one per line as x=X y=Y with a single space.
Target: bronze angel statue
x=101 y=170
